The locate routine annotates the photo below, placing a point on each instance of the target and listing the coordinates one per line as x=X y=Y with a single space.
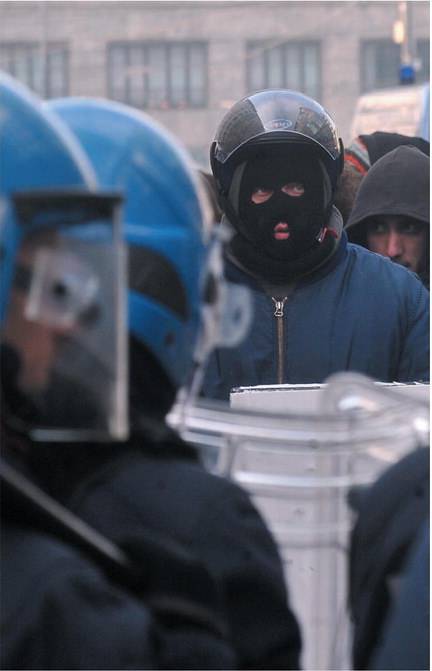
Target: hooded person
x=390 y=215
x=321 y=305
x=360 y=155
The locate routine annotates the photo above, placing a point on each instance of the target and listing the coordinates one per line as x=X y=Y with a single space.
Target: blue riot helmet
x=63 y=333
x=175 y=267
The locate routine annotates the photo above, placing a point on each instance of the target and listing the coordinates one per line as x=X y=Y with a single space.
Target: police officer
x=321 y=305
x=387 y=593
x=65 y=603
x=174 y=299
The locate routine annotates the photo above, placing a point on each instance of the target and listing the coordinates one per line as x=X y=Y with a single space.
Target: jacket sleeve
x=60 y=612
x=93 y=625
x=414 y=359
x=243 y=554
x=405 y=643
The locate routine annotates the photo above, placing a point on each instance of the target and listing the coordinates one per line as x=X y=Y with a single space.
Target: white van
x=404 y=110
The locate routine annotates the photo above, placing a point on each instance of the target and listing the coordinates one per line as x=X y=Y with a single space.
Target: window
x=292 y=65
x=381 y=60
x=43 y=68
x=423 y=55
x=166 y=75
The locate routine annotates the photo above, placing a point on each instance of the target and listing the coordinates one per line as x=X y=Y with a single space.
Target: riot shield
x=300 y=467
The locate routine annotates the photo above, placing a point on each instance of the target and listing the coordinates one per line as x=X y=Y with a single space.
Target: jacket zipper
x=279 y=314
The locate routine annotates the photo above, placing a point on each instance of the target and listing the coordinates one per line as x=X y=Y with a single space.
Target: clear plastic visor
x=65 y=326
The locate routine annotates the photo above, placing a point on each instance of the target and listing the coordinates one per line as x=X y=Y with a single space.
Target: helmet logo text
x=279 y=124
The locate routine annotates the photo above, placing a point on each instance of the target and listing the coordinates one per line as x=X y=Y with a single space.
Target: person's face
x=399 y=238
x=281 y=206
x=35 y=342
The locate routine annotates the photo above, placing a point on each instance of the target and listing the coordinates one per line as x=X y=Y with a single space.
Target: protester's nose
x=394 y=244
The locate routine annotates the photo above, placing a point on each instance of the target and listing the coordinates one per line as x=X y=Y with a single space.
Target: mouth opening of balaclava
x=283 y=204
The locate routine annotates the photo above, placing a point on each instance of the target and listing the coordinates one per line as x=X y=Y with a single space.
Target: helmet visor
x=65 y=324
x=277 y=116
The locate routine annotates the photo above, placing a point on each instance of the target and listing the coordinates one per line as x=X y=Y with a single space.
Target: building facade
x=185 y=63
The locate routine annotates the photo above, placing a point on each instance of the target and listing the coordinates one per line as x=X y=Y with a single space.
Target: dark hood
x=380 y=143
x=397 y=184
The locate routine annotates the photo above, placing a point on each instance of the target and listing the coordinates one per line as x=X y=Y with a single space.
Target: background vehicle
x=404 y=110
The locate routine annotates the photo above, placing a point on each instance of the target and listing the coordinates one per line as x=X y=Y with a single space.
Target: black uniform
x=66 y=604
x=60 y=612
x=157 y=483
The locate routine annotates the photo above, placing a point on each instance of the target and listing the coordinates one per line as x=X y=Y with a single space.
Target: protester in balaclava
x=391 y=212
x=321 y=304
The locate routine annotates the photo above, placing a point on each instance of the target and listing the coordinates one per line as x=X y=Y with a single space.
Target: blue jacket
x=359 y=312
x=405 y=643
x=389 y=516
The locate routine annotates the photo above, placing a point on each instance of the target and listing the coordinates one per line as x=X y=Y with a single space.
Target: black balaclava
x=304 y=217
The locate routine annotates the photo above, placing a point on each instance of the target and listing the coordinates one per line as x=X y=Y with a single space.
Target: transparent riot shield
x=300 y=469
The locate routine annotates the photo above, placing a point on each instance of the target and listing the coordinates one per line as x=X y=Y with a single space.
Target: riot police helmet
x=62 y=279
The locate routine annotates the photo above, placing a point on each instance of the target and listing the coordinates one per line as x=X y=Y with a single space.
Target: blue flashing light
x=406 y=74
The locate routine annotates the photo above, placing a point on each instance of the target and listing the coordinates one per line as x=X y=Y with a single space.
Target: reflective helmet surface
x=62 y=281
x=36 y=152
x=273 y=118
x=165 y=223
